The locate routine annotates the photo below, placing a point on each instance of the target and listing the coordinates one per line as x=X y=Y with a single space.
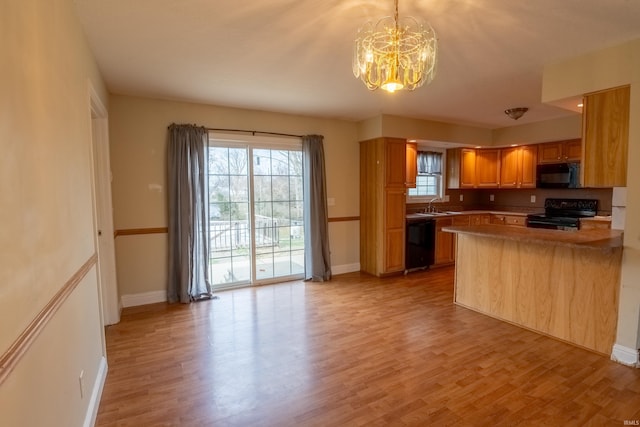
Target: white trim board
x=152 y=297
x=143 y=298
x=625 y=355
x=345 y=268
x=96 y=394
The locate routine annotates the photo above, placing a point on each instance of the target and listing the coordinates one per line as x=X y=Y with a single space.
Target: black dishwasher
x=420 y=243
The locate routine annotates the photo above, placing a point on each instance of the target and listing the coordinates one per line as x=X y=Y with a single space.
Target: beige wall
x=402 y=127
x=138 y=137
x=531 y=133
x=47 y=230
x=608 y=68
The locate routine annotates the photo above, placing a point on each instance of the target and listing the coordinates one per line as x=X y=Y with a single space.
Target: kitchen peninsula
x=560 y=283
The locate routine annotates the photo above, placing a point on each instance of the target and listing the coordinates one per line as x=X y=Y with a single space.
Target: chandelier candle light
x=395 y=54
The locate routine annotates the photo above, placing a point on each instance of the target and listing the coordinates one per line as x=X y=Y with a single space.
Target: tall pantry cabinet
x=382 y=205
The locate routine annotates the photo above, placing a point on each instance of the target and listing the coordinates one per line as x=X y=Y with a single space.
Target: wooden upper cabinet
x=412 y=164
x=560 y=151
x=487 y=168
x=509 y=167
x=572 y=150
x=605 y=131
x=461 y=168
x=395 y=162
x=518 y=167
x=528 y=162
x=550 y=152
x=467 y=168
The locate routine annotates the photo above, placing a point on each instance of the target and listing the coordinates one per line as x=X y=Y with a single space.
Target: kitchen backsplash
x=517 y=200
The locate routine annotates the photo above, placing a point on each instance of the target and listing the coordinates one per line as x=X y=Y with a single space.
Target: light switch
x=491 y=197
x=461 y=198
x=533 y=198
x=331 y=201
x=446 y=197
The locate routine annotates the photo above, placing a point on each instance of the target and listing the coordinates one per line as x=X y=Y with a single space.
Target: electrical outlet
x=491 y=197
x=446 y=198
x=533 y=198
x=81 y=382
x=461 y=198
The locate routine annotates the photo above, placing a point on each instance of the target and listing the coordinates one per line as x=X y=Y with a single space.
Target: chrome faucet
x=431 y=209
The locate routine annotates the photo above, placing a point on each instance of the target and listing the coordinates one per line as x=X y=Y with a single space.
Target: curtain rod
x=254 y=132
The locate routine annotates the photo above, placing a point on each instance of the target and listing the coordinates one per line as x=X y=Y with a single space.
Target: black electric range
x=563 y=214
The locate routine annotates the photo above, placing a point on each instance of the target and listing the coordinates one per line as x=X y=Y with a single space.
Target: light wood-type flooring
x=356 y=351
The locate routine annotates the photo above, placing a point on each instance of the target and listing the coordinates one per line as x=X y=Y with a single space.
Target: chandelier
x=395 y=54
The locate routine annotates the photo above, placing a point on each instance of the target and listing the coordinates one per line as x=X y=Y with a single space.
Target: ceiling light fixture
x=516 y=113
x=395 y=54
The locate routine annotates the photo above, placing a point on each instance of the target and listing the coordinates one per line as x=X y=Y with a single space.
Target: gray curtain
x=317 y=263
x=188 y=214
x=429 y=162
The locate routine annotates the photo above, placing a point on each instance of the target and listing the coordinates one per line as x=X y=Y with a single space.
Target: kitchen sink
x=431 y=214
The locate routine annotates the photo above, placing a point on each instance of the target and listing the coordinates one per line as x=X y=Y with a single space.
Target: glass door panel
x=277 y=211
x=229 y=227
x=255 y=210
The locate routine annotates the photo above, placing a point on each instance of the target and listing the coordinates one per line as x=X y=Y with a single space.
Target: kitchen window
x=429 y=179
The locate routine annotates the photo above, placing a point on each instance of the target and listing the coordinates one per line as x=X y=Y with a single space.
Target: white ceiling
x=294 y=56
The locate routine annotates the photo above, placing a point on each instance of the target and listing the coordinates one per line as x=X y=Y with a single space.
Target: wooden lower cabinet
x=592 y=224
x=394 y=240
x=479 y=219
x=516 y=220
x=461 y=220
x=445 y=243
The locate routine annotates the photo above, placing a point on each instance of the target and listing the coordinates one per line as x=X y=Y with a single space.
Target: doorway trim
x=103 y=210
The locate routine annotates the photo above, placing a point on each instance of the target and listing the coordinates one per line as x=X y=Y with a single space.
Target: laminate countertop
x=587 y=239
x=449 y=214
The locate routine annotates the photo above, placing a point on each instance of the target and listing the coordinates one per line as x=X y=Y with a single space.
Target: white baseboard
x=143 y=298
x=345 y=268
x=625 y=355
x=96 y=394
x=153 y=297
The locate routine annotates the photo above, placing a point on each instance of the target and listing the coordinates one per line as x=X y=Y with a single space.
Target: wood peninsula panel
x=560 y=290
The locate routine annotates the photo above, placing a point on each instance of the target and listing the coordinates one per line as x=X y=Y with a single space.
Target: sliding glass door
x=277 y=208
x=255 y=209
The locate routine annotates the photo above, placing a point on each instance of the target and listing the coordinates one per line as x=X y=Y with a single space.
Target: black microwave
x=558 y=175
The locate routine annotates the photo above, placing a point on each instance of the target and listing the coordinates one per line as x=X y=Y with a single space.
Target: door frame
x=250 y=143
x=103 y=211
